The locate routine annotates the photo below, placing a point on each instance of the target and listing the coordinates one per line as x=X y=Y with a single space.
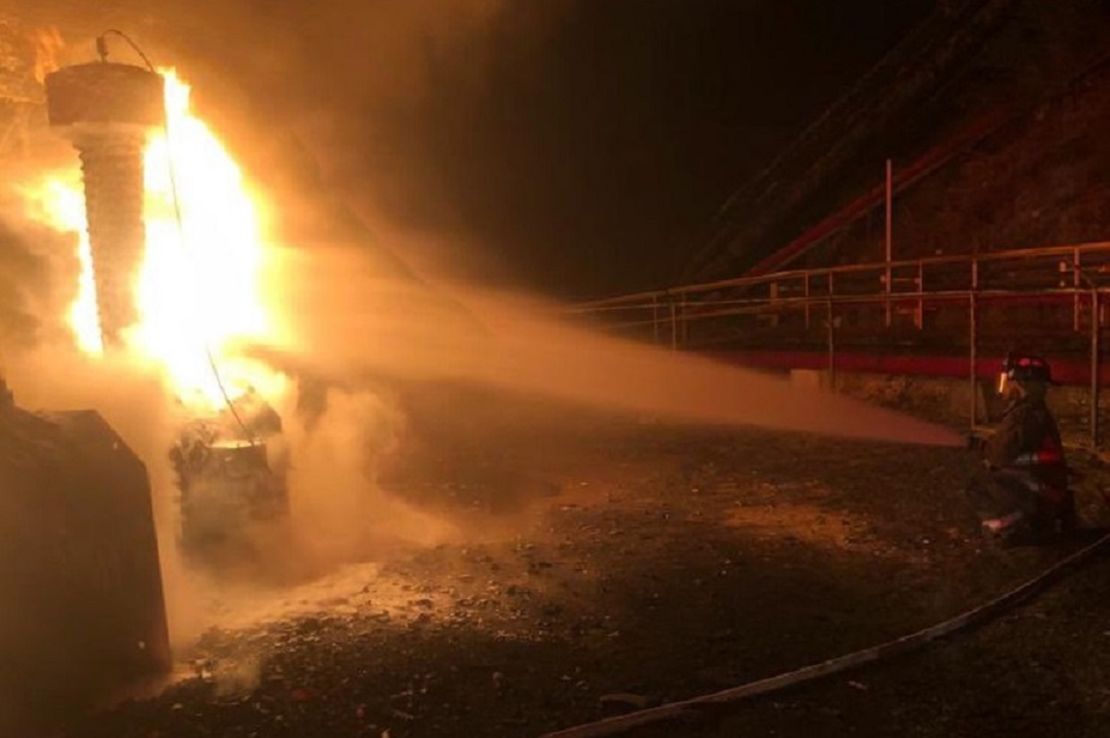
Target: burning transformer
x=229 y=484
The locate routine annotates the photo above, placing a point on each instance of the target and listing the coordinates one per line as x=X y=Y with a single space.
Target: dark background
x=601 y=140
x=595 y=159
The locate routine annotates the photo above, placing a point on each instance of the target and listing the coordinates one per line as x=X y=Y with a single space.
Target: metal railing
x=1056 y=276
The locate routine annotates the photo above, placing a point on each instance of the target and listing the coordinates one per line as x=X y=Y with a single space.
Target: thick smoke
x=339 y=513
x=24 y=275
x=342 y=512
x=38 y=276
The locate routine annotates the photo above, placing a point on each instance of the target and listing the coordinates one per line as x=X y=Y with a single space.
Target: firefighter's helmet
x=1019 y=367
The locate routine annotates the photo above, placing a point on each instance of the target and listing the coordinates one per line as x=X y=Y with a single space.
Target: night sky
x=598 y=149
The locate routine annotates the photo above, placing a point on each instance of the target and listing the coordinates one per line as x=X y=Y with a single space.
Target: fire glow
x=200 y=287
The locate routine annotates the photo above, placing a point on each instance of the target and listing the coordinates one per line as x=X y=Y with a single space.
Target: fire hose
x=717 y=701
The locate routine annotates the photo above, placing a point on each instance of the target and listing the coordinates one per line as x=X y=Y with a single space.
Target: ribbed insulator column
x=113 y=173
x=106 y=109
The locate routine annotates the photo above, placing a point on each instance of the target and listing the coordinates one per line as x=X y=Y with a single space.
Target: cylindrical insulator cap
x=104 y=92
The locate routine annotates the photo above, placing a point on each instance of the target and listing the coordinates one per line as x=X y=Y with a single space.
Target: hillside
x=1035 y=180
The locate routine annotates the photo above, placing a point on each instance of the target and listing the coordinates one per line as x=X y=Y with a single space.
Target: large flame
x=58 y=200
x=48 y=44
x=200 y=286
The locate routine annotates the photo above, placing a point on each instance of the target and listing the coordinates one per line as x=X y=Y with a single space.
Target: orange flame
x=200 y=287
x=48 y=44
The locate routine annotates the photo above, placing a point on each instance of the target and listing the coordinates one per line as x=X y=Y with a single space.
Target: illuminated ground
x=614 y=556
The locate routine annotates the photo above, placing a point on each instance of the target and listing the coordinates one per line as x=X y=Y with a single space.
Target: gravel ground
x=609 y=556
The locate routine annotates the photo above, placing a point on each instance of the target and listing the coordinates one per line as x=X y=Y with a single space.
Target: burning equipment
x=224 y=473
x=230 y=487
x=106 y=110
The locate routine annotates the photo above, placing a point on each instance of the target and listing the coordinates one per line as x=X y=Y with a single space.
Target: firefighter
x=1023 y=495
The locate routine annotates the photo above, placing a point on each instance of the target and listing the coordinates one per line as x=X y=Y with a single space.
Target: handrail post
x=832 y=346
x=888 y=245
x=655 y=318
x=674 y=323
x=1096 y=326
x=684 y=325
x=806 y=293
x=972 y=339
x=831 y=335
x=920 y=317
x=1075 y=270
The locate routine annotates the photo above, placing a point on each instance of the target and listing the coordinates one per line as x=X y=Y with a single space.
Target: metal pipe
x=973 y=325
x=1076 y=270
x=1092 y=247
x=805 y=292
x=655 y=319
x=683 y=325
x=887 y=238
x=1096 y=325
x=749 y=307
x=832 y=347
x=919 y=321
x=831 y=334
x=674 y=326
x=761 y=305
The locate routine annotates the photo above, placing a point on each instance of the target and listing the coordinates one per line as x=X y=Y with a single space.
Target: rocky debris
x=566 y=621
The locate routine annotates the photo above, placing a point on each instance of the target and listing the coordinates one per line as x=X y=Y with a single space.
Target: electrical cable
x=102 y=47
x=102 y=50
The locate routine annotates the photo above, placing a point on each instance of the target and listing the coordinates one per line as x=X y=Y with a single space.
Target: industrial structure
x=82 y=612
x=948 y=206
x=107 y=110
x=81 y=603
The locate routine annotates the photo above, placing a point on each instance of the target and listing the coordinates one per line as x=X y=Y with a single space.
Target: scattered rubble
x=595 y=608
